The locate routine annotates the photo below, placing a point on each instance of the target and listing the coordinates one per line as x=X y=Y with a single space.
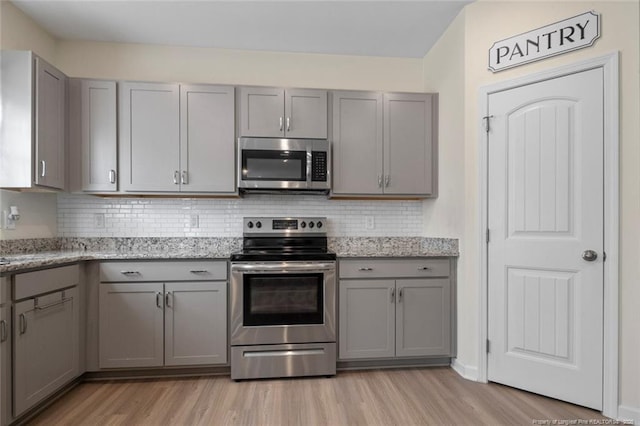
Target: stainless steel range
x=283 y=300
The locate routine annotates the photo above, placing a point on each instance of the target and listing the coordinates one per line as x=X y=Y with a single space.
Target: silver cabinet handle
x=387 y=180
x=288 y=124
x=366 y=268
x=167 y=299
x=589 y=255
x=393 y=295
x=185 y=177
x=62 y=301
x=424 y=268
x=176 y=177
x=280 y=123
x=199 y=271
x=44 y=168
x=379 y=181
x=3 y=331
x=158 y=299
x=400 y=295
x=112 y=176
x=22 y=324
x=130 y=273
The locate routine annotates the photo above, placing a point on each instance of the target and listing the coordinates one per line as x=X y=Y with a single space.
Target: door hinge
x=487 y=345
x=485 y=122
x=487 y=236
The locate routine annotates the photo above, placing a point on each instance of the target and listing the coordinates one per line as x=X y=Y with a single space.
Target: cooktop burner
x=284 y=239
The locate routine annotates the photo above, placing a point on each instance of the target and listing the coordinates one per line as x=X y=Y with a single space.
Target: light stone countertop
x=32 y=254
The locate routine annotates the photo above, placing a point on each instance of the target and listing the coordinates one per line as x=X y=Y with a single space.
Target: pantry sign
x=551 y=40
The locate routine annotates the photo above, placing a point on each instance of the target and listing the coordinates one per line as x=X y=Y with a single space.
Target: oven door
x=282 y=302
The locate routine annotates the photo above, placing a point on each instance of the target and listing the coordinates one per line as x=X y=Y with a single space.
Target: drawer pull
x=22 y=324
x=393 y=295
x=3 y=331
x=424 y=268
x=400 y=295
x=130 y=273
x=62 y=301
x=199 y=271
x=158 y=299
x=167 y=299
x=365 y=269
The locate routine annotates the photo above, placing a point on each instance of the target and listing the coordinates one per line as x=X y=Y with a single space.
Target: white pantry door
x=545 y=207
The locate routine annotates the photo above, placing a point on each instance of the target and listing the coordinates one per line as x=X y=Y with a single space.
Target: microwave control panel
x=318 y=166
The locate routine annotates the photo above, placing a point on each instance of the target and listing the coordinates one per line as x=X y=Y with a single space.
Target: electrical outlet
x=369 y=222
x=98 y=220
x=194 y=221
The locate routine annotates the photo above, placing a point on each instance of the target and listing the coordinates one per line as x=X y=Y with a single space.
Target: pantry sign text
x=551 y=40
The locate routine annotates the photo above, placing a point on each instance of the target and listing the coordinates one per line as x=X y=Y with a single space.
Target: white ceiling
x=370 y=28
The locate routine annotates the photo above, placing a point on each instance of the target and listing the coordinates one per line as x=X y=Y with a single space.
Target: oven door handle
x=315 y=267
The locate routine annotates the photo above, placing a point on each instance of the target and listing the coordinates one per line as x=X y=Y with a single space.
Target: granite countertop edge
x=345 y=247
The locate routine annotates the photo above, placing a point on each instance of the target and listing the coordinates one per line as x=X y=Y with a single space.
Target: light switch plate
x=6 y=222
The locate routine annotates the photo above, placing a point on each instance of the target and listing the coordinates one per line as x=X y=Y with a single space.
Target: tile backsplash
x=89 y=216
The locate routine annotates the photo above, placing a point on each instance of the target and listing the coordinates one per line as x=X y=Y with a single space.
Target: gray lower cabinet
x=93 y=136
x=46 y=333
x=382 y=317
x=146 y=323
x=5 y=353
x=384 y=144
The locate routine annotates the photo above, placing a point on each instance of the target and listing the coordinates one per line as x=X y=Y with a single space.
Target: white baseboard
x=629 y=413
x=466 y=371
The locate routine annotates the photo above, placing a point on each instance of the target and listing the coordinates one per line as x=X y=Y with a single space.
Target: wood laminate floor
x=429 y=396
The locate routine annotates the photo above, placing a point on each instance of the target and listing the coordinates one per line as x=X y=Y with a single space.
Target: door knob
x=589 y=255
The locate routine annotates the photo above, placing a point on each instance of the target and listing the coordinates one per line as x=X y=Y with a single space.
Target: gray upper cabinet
x=384 y=144
x=93 y=136
x=207 y=148
x=410 y=144
x=275 y=112
x=34 y=128
x=149 y=137
x=176 y=138
x=357 y=143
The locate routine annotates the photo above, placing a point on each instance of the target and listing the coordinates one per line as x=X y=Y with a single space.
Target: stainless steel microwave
x=284 y=164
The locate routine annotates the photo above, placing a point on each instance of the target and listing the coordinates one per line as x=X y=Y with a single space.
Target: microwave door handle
x=309 y=165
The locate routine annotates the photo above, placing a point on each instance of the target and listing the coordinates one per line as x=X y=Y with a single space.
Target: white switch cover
x=369 y=222
x=194 y=221
x=98 y=220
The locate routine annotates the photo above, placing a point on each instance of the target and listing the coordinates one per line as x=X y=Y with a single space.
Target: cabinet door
x=5 y=365
x=195 y=323
x=207 y=143
x=409 y=144
x=99 y=141
x=150 y=137
x=357 y=143
x=46 y=346
x=306 y=113
x=367 y=317
x=50 y=125
x=423 y=317
x=261 y=111
x=131 y=325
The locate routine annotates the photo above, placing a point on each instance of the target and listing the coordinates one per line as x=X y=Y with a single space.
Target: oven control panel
x=284 y=225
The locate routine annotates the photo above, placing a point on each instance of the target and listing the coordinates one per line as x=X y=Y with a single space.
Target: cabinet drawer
x=393 y=268
x=163 y=271
x=38 y=282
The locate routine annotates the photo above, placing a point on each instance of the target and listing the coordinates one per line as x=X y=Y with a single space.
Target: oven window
x=260 y=164
x=279 y=299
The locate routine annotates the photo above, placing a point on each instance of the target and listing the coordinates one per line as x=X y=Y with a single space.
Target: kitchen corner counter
x=34 y=254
